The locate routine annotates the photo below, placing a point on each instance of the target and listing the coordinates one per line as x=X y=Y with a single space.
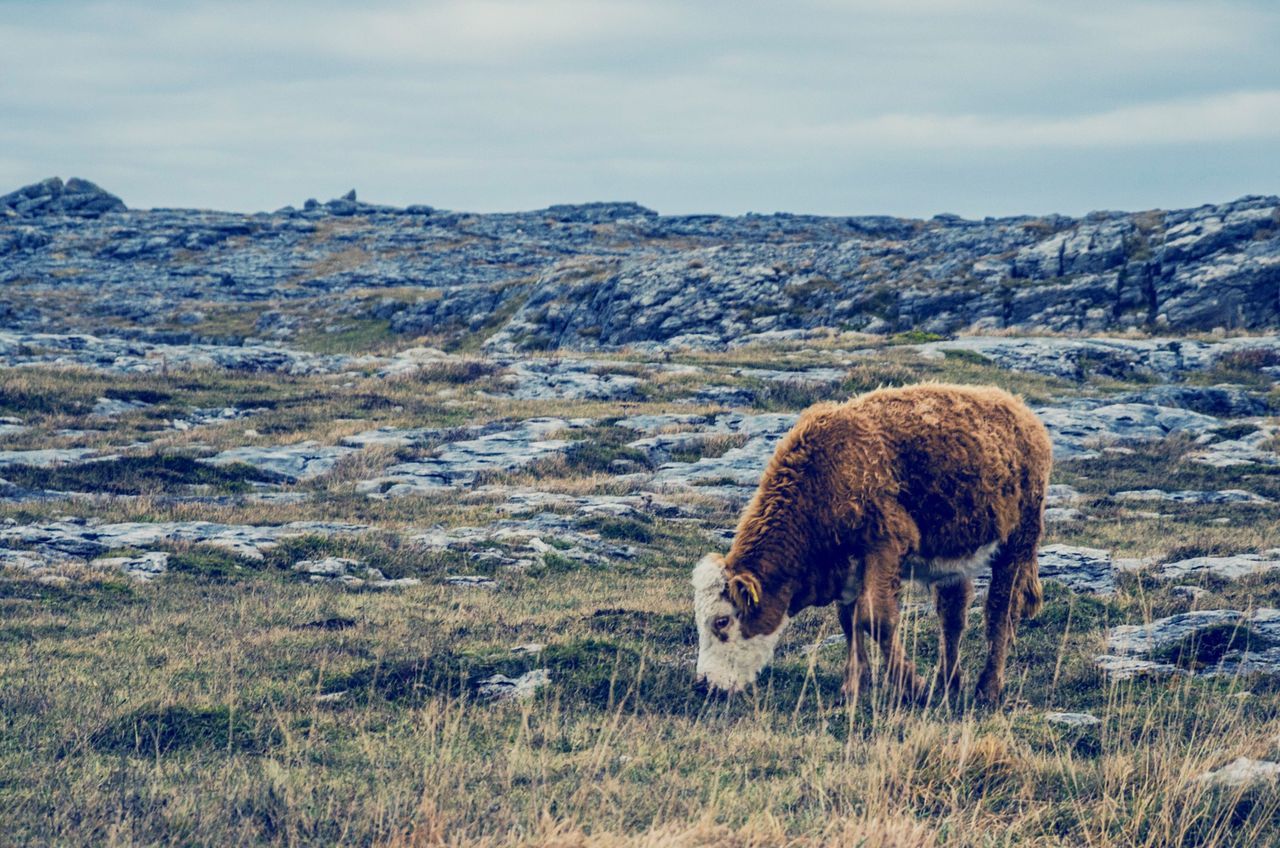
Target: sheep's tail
x=1028 y=594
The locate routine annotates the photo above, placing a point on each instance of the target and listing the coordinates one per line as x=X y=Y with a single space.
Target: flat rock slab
x=391 y=437
x=499 y=687
x=1073 y=720
x=1256 y=448
x=1078 y=432
x=1223 y=641
x=1076 y=358
x=519 y=501
x=203 y=417
x=570 y=379
x=114 y=407
x=473 y=581
x=1243 y=771
x=1223 y=401
x=1225 y=567
x=47 y=457
x=458 y=464
x=1225 y=496
x=292 y=463
x=734 y=474
x=350 y=572
x=145 y=567
x=1079 y=568
x=520 y=543
x=86 y=539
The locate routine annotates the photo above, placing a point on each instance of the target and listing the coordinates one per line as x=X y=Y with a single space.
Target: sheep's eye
x=721 y=623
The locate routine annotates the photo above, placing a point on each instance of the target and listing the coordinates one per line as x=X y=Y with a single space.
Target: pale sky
x=904 y=107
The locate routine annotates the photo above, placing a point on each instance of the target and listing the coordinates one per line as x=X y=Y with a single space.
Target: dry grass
x=187 y=711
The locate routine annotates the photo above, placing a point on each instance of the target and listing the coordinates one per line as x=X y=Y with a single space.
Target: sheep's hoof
x=988 y=692
x=852 y=689
x=947 y=690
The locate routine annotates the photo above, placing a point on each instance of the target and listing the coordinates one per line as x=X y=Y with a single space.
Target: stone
x=605 y=276
x=47 y=457
x=1256 y=448
x=1060 y=494
x=1082 y=569
x=75 y=197
x=85 y=538
x=146 y=567
x=569 y=379
x=1218 y=642
x=1072 y=720
x=1225 y=496
x=349 y=572
x=475 y=581
x=458 y=464
x=1224 y=567
x=292 y=463
x=111 y=407
x=1242 y=772
x=499 y=687
x=519 y=543
x=1078 y=432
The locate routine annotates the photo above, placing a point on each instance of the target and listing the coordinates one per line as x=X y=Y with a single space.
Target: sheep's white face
x=726 y=659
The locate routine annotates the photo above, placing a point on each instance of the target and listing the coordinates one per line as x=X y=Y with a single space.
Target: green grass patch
x=153 y=731
x=135 y=475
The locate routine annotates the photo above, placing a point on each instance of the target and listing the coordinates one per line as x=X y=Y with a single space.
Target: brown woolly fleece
x=893 y=477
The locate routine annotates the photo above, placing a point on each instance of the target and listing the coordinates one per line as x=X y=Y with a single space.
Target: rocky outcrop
x=76 y=197
x=602 y=275
x=1202 y=642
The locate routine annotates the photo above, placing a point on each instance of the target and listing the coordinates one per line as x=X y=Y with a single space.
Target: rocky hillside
x=73 y=258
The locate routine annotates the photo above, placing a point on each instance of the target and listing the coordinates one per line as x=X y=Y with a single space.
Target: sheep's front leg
x=877 y=612
x=857 y=670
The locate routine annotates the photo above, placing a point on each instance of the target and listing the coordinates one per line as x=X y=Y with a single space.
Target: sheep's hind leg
x=857 y=670
x=952 y=600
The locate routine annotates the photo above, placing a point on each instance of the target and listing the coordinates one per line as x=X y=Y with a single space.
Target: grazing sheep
x=933 y=483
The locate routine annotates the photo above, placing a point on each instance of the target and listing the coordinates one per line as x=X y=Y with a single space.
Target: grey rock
x=1060 y=495
x=519 y=543
x=499 y=687
x=1072 y=720
x=1080 y=568
x=459 y=463
x=1077 y=432
x=75 y=197
x=1243 y=771
x=301 y=461
x=1063 y=514
x=46 y=457
x=112 y=407
x=1134 y=649
x=600 y=276
x=1225 y=496
x=477 y=581
x=1120 y=358
x=146 y=566
x=90 y=539
x=1224 y=567
x=1219 y=401
x=1253 y=449
x=349 y=572
x=565 y=379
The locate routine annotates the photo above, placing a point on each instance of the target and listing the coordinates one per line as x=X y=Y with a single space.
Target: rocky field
x=349 y=525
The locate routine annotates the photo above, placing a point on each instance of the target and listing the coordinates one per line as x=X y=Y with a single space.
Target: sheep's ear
x=744 y=590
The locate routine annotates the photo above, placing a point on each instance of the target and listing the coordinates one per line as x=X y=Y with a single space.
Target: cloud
x=716 y=105
x=1233 y=116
